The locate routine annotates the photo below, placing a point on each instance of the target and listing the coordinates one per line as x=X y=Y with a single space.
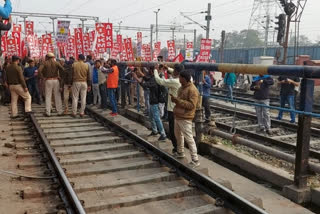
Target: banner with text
x=128 y=48
x=29 y=28
x=171 y=50
x=78 y=36
x=205 y=50
x=63 y=31
x=189 y=51
x=139 y=44
x=156 y=51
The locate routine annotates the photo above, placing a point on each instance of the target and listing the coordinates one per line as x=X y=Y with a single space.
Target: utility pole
x=286 y=42
x=208 y=19
x=82 y=21
x=151 y=38
x=156 y=12
x=266 y=35
x=221 y=50
x=173 y=29
x=194 y=38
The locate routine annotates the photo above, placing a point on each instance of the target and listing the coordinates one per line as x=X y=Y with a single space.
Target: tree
x=243 y=39
x=303 y=40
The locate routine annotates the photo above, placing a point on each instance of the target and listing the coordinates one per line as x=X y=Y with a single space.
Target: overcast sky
x=227 y=15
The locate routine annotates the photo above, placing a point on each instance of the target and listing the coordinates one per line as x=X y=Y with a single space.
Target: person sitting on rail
x=154 y=91
x=184 y=111
x=17 y=87
x=50 y=72
x=261 y=87
x=80 y=84
x=287 y=95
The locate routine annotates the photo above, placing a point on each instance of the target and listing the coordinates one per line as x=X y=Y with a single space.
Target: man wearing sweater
x=173 y=84
x=261 y=87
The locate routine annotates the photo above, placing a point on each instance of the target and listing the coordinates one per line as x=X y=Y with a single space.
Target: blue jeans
x=112 y=98
x=103 y=94
x=155 y=120
x=33 y=89
x=147 y=100
x=290 y=101
x=230 y=94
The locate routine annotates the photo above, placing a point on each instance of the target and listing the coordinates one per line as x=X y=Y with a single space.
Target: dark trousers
x=171 y=130
x=103 y=94
x=206 y=106
x=33 y=89
x=127 y=92
x=112 y=99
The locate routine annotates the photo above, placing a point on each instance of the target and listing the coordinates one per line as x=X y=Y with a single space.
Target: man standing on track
x=184 y=112
x=17 y=87
x=66 y=82
x=112 y=84
x=81 y=84
x=50 y=72
x=287 y=95
x=173 y=84
x=261 y=87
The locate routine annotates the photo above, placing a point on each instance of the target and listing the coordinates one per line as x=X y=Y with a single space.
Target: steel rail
x=276 y=70
x=204 y=183
x=71 y=195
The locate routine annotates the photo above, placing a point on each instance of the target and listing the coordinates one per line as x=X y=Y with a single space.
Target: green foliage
x=243 y=39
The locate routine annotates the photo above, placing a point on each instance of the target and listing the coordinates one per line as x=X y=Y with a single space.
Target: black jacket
x=151 y=84
x=262 y=92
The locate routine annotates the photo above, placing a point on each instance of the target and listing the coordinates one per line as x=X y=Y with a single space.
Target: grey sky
x=227 y=14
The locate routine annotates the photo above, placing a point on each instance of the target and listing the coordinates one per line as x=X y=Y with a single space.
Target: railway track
x=103 y=167
x=243 y=96
x=283 y=137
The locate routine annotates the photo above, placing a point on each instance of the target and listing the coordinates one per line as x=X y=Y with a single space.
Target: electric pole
x=208 y=19
x=156 y=12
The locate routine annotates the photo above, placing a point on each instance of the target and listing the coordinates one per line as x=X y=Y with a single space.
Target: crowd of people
x=164 y=93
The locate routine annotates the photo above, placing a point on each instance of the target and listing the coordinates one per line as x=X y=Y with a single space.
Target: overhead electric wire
x=143 y=10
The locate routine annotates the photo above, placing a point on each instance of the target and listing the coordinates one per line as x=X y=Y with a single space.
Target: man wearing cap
x=173 y=84
x=81 y=84
x=50 y=72
x=17 y=87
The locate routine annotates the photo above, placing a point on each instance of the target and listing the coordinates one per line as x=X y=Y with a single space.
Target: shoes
x=278 y=118
x=174 y=151
x=14 y=117
x=153 y=134
x=180 y=155
x=61 y=114
x=292 y=121
x=260 y=129
x=81 y=115
x=162 y=138
x=46 y=115
x=194 y=164
x=114 y=114
x=73 y=115
x=268 y=131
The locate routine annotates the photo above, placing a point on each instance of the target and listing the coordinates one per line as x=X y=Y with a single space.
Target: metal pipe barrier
x=67 y=187
x=307 y=73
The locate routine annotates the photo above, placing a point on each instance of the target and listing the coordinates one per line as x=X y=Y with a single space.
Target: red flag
x=171 y=50
x=147 y=52
x=16 y=28
x=205 y=50
x=101 y=45
x=116 y=50
x=70 y=47
x=78 y=36
x=17 y=36
x=109 y=37
x=4 y=43
x=11 y=47
x=128 y=48
x=29 y=28
x=157 y=50
x=46 y=46
x=86 y=44
x=178 y=58
x=123 y=55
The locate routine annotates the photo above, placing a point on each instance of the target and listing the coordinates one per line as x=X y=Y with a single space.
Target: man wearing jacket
x=151 y=84
x=173 y=84
x=50 y=72
x=261 y=87
x=66 y=82
x=112 y=84
x=206 y=86
x=184 y=112
x=81 y=84
x=101 y=83
x=30 y=75
x=17 y=87
x=230 y=80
